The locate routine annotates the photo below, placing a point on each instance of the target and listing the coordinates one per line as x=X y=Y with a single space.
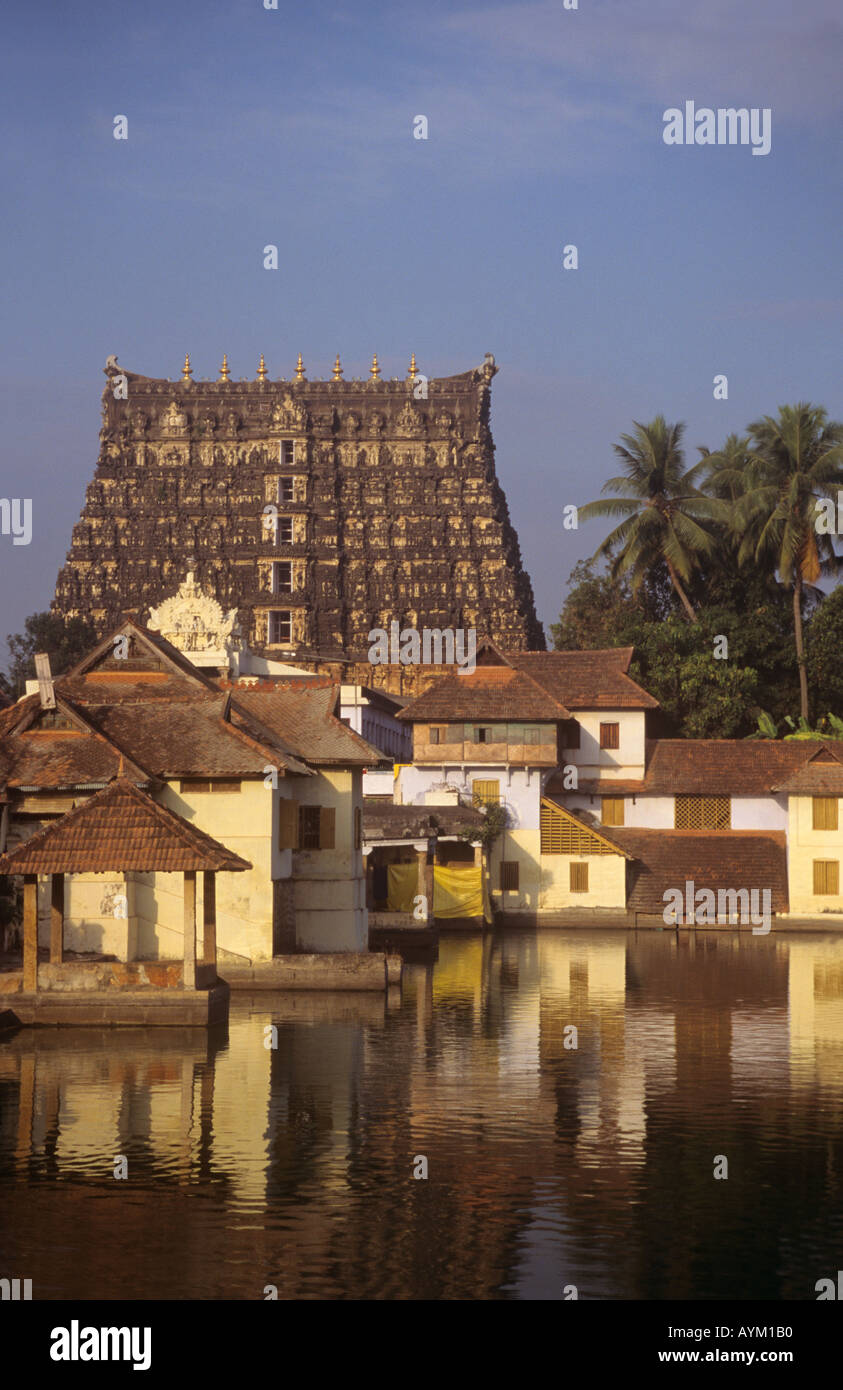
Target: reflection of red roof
x=715 y=859
x=120 y=827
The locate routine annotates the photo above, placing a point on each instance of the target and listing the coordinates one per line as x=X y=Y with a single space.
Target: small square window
x=509 y=876
x=611 y=811
x=309 y=827
x=610 y=735
x=826 y=877
x=570 y=733
x=280 y=626
x=579 y=878
x=282 y=577
x=484 y=792
x=824 y=812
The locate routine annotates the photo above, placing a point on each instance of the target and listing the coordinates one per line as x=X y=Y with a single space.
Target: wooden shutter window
x=826 y=877
x=825 y=812
x=579 y=878
x=509 y=876
x=610 y=735
x=611 y=810
x=485 y=791
x=288 y=825
x=327 y=826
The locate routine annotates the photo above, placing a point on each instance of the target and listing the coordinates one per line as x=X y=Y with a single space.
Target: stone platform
x=167 y=1008
x=363 y=970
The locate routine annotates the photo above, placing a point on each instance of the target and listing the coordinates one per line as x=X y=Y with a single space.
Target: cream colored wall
x=606 y=881
x=804 y=845
x=544 y=878
x=99 y=914
x=243 y=822
x=330 y=884
x=523 y=846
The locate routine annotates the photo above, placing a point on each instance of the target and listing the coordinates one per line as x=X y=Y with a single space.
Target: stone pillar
x=421 y=859
x=209 y=918
x=190 y=929
x=57 y=919
x=30 y=933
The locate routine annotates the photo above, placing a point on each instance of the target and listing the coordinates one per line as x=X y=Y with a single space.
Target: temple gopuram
x=314 y=511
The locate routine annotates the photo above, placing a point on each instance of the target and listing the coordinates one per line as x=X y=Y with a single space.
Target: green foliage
x=492 y=826
x=666 y=518
x=701 y=696
x=65 y=640
x=733 y=544
x=825 y=652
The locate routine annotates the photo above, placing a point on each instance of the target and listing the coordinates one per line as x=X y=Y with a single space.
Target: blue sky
x=294 y=126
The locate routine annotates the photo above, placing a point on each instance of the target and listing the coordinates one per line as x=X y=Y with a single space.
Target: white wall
x=520 y=788
x=625 y=761
x=657 y=812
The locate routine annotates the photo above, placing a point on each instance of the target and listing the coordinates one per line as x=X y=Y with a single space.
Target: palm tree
x=662 y=512
x=777 y=476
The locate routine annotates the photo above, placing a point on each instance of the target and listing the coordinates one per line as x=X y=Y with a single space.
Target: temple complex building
x=311 y=511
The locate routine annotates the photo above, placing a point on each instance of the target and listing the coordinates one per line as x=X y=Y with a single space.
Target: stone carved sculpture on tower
x=194 y=623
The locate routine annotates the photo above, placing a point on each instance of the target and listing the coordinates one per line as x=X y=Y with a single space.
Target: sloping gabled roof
x=715 y=859
x=586 y=680
x=497 y=693
x=820 y=775
x=121 y=828
x=300 y=716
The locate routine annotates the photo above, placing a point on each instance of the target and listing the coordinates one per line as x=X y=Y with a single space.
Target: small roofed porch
x=118 y=829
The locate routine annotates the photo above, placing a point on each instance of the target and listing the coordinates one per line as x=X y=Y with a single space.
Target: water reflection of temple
x=549 y=1165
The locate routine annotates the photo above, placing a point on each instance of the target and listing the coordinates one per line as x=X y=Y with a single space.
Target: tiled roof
x=740 y=767
x=121 y=828
x=384 y=821
x=715 y=859
x=37 y=754
x=586 y=680
x=821 y=775
x=497 y=693
x=534 y=686
x=64 y=758
x=728 y=767
x=300 y=716
x=188 y=738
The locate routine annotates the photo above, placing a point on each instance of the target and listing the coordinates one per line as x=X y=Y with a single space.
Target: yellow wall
x=606 y=881
x=330 y=884
x=804 y=845
x=544 y=878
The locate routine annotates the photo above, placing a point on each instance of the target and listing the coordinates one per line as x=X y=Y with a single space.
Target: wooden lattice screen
x=702 y=813
x=559 y=835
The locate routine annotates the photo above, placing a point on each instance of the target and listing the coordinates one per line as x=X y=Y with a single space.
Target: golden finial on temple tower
x=262 y=372
x=374 y=370
x=224 y=372
x=337 y=373
x=185 y=371
x=412 y=372
x=299 y=369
